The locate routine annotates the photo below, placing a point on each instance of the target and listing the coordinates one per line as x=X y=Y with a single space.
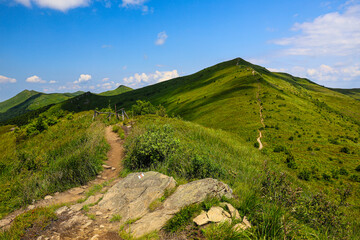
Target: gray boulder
x=132 y=196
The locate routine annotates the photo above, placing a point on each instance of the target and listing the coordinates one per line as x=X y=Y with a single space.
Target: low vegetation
x=31 y=168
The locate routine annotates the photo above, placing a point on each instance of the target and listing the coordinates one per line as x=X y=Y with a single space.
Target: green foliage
x=153 y=147
x=143 y=108
x=118 y=129
x=37 y=218
x=357 y=168
x=115 y=218
x=222 y=231
x=343 y=171
x=65 y=155
x=182 y=218
x=345 y=150
x=304 y=174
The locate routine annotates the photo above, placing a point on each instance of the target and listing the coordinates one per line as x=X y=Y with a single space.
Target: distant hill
x=117 y=91
x=354 y=92
x=29 y=100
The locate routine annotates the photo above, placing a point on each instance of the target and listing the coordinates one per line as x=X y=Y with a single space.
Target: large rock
x=193 y=192
x=132 y=196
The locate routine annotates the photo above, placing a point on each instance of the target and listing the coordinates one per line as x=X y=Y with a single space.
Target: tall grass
x=67 y=154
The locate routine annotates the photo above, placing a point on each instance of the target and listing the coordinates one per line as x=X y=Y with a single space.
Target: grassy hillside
x=275 y=206
x=27 y=101
x=49 y=154
x=354 y=92
x=312 y=132
x=117 y=91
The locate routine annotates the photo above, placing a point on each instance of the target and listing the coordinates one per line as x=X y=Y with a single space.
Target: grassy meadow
x=40 y=158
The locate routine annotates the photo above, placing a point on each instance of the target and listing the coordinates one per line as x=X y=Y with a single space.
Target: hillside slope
x=306 y=126
x=117 y=91
x=27 y=101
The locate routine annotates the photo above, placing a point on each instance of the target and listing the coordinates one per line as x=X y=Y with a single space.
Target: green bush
x=345 y=150
x=357 y=168
x=343 y=171
x=279 y=149
x=304 y=175
x=155 y=146
x=182 y=218
x=143 y=108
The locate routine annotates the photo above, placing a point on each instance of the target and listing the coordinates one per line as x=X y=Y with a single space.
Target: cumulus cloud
x=161 y=38
x=83 y=78
x=52 y=82
x=108 y=85
x=144 y=79
x=4 y=79
x=139 y=4
x=332 y=34
x=61 y=5
x=35 y=79
x=105 y=79
x=325 y=73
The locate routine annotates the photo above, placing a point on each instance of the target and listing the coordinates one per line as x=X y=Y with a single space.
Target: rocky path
x=261 y=116
x=110 y=173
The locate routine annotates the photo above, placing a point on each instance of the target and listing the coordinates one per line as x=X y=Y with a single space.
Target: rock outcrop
x=193 y=192
x=131 y=197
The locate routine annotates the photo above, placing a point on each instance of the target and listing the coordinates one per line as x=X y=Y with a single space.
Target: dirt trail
x=111 y=171
x=261 y=116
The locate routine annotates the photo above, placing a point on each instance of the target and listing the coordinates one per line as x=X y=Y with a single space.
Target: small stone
x=98 y=176
x=233 y=211
x=246 y=222
x=104 y=178
x=30 y=207
x=202 y=219
x=113 y=168
x=239 y=227
x=87 y=224
x=106 y=166
x=102 y=226
x=98 y=213
x=216 y=214
x=95 y=237
x=48 y=197
x=62 y=210
x=57 y=193
x=40 y=238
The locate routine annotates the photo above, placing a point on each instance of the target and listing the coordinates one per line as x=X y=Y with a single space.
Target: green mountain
x=354 y=92
x=316 y=125
x=117 y=91
x=27 y=101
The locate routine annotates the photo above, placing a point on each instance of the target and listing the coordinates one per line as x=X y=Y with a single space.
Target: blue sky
x=96 y=45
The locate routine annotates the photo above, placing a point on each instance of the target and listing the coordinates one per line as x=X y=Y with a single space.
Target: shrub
x=143 y=107
x=357 y=168
x=256 y=145
x=343 y=171
x=326 y=177
x=201 y=167
x=345 y=150
x=354 y=178
x=279 y=148
x=182 y=218
x=290 y=161
x=151 y=148
x=304 y=175
x=291 y=138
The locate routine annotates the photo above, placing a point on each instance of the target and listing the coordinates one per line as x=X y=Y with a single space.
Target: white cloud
x=35 y=79
x=105 y=79
x=161 y=38
x=276 y=69
x=83 y=78
x=144 y=79
x=4 y=79
x=26 y=3
x=325 y=73
x=332 y=34
x=52 y=81
x=127 y=3
x=61 y=5
x=139 y=4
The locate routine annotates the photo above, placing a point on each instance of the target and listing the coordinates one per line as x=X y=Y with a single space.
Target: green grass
x=67 y=154
x=38 y=218
x=117 y=91
x=27 y=101
x=115 y=218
